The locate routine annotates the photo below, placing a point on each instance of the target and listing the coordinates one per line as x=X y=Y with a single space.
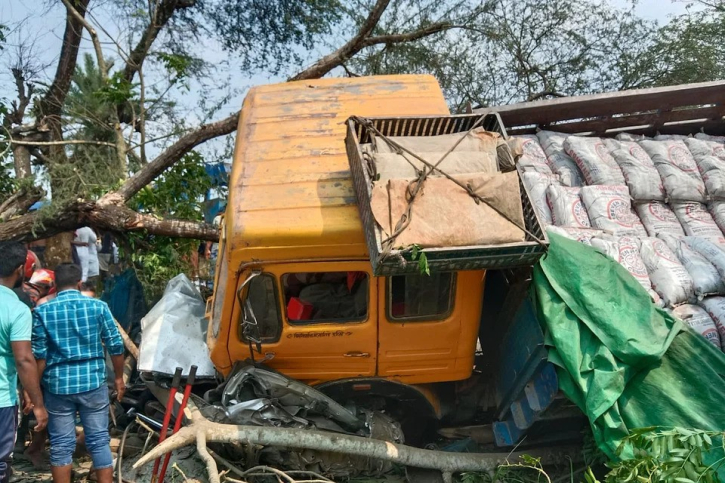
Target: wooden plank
x=610 y=103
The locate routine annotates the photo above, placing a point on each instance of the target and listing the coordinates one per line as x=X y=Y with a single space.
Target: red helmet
x=31 y=264
x=43 y=280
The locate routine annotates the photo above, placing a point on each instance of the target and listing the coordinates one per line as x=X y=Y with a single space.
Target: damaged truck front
x=292 y=234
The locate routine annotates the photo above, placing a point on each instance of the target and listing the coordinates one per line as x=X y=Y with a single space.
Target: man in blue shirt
x=69 y=335
x=16 y=357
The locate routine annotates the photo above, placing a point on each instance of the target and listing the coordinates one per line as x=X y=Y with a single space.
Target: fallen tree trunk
x=109 y=216
x=201 y=431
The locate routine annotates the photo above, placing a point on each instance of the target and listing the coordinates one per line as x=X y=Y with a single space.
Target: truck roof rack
x=681 y=109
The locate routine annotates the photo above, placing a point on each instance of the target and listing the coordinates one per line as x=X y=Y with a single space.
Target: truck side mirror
x=250 y=327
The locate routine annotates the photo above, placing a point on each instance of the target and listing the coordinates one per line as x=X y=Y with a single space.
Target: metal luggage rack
x=683 y=109
x=510 y=255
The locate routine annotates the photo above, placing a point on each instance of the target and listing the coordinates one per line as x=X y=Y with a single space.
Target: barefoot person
x=16 y=357
x=69 y=334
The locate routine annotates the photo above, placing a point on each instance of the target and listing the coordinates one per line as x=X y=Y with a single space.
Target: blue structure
x=526 y=383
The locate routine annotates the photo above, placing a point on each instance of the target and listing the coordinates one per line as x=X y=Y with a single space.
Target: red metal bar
x=179 y=417
x=175 y=383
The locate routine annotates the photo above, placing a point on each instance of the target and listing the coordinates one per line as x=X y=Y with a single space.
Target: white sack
x=710 y=159
x=659 y=219
x=699 y=320
x=696 y=220
x=677 y=168
x=639 y=170
x=610 y=209
x=561 y=164
x=396 y=166
x=174 y=332
x=626 y=251
x=625 y=136
x=706 y=278
x=717 y=210
x=533 y=157
x=669 y=278
x=566 y=207
x=707 y=137
x=593 y=159
x=582 y=235
x=536 y=184
x=670 y=137
x=713 y=252
x=715 y=308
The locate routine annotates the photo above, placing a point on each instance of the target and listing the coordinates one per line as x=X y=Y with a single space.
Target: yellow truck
x=404 y=344
x=292 y=226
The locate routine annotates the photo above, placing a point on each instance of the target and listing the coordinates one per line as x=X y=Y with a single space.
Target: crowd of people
x=54 y=336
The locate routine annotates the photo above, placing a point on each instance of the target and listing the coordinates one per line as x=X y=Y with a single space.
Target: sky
x=47 y=35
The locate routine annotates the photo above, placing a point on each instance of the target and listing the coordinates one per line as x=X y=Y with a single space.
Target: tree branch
x=52 y=103
x=170 y=156
x=19 y=202
x=161 y=16
x=108 y=217
x=353 y=46
x=59 y=143
x=408 y=37
x=103 y=69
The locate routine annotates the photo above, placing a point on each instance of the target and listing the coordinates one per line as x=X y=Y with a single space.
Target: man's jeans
x=92 y=406
x=8 y=426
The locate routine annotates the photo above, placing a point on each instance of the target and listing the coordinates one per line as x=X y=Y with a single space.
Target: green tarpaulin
x=626 y=363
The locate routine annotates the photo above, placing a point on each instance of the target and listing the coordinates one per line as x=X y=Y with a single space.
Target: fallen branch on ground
x=202 y=430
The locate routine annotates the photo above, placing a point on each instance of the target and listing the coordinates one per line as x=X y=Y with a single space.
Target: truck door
x=429 y=325
x=315 y=321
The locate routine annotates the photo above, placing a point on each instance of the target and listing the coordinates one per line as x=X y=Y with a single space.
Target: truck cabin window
x=420 y=297
x=312 y=297
x=262 y=297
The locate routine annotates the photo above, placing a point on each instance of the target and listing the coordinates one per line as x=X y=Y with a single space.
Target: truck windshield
x=420 y=297
x=325 y=296
x=262 y=297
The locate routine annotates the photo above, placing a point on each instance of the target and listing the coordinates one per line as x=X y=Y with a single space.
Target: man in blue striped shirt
x=69 y=334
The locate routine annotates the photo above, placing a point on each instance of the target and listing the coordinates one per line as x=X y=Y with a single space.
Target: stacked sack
x=656 y=205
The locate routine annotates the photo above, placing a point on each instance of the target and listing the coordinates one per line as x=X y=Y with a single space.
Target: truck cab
x=295 y=288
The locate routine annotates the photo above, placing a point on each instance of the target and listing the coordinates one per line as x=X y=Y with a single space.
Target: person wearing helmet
x=40 y=285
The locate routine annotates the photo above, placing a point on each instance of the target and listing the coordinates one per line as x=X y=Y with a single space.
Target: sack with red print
x=626 y=251
x=610 y=209
x=659 y=219
x=699 y=320
x=536 y=184
x=706 y=278
x=710 y=159
x=639 y=170
x=561 y=164
x=593 y=159
x=715 y=308
x=677 y=169
x=566 y=206
x=696 y=220
x=582 y=235
x=532 y=157
x=669 y=278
